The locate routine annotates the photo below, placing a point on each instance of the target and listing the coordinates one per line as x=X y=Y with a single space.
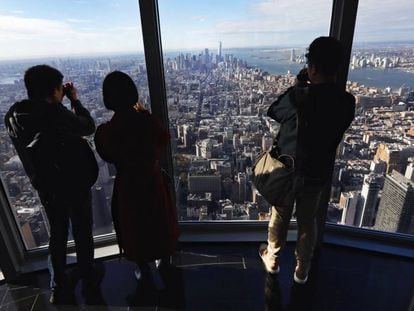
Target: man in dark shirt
x=63 y=199
x=313 y=117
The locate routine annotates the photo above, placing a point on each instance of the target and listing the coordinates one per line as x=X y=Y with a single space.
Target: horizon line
x=177 y=50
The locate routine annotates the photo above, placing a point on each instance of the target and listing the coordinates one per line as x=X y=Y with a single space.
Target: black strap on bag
x=298 y=98
x=300 y=122
x=303 y=105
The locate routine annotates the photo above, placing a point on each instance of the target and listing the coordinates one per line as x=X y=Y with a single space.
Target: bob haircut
x=119 y=91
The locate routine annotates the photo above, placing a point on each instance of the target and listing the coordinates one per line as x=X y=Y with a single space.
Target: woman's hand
x=140 y=107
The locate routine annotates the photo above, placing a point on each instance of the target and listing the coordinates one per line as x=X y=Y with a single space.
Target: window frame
x=15 y=259
x=342 y=27
x=12 y=248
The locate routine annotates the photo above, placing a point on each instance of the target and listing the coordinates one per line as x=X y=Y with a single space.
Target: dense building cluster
x=217 y=108
x=401 y=58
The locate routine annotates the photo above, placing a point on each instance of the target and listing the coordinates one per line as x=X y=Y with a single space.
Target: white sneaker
x=157 y=263
x=299 y=281
x=303 y=271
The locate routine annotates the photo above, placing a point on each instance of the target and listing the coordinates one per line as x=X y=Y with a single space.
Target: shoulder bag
x=273 y=177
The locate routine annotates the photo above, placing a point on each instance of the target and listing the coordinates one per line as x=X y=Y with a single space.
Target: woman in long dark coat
x=143 y=213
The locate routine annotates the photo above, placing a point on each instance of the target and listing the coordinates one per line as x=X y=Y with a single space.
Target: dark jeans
x=60 y=209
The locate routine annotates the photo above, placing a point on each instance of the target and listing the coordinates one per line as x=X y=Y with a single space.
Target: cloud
x=17 y=27
x=29 y=37
x=124 y=28
x=267 y=23
x=262 y=26
x=294 y=8
x=264 y=22
x=285 y=22
x=385 y=21
x=18 y=12
x=198 y=18
x=78 y=21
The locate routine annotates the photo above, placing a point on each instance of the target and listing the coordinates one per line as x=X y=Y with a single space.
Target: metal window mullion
x=12 y=249
x=342 y=27
x=155 y=71
x=343 y=21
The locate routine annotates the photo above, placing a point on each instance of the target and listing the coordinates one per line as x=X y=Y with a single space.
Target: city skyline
x=217 y=118
x=114 y=26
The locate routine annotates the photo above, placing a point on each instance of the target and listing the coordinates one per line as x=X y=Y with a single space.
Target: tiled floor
x=230 y=277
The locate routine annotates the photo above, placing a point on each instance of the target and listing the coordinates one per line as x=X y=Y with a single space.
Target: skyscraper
x=267 y=142
x=396 y=208
x=395 y=156
x=292 y=55
x=219 y=51
x=369 y=195
x=206 y=56
x=200 y=183
x=187 y=135
x=409 y=171
x=378 y=166
x=388 y=155
x=241 y=185
x=349 y=203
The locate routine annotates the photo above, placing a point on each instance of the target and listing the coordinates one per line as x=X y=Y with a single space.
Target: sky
x=44 y=28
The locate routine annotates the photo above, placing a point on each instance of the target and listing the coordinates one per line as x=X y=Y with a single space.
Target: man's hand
x=302 y=78
x=70 y=91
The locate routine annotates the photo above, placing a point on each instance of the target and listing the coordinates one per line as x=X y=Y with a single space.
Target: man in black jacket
x=48 y=139
x=313 y=117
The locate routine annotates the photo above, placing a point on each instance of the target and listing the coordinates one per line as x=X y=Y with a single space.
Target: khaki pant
x=307 y=199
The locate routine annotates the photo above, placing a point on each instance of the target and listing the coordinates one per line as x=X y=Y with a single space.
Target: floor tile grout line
x=4 y=296
x=19 y=300
x=34 y=302
x=198 y=254
x=210 y=264
x=15 y=288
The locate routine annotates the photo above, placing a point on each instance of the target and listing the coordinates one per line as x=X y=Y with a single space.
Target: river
x=277 y=62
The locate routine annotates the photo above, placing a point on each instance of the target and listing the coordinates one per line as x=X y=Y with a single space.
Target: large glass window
x=373 y=184
x=225 y=63
x=85 y=40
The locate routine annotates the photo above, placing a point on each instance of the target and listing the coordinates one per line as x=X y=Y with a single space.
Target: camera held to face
x=67 y=89
x=303 y=76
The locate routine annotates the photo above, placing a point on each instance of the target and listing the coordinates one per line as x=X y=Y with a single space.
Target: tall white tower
x=219 y=50
x=292 y=55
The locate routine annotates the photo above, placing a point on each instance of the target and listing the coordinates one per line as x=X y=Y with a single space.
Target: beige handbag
x=273 y=177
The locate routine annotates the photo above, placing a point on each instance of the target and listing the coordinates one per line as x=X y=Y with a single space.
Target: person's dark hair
x=119 y=91
x=41 y=81
x=326 y=54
